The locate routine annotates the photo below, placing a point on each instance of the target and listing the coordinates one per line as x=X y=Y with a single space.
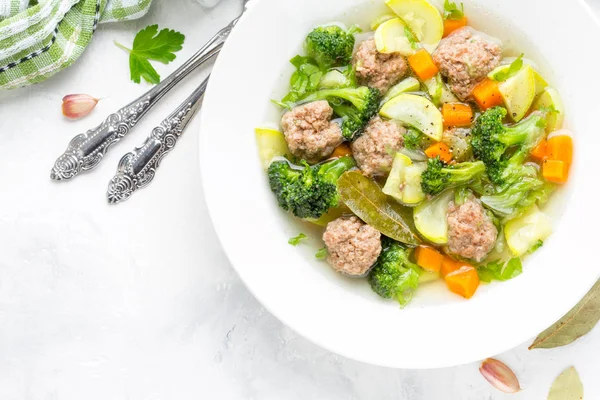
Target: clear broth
x=514 y=42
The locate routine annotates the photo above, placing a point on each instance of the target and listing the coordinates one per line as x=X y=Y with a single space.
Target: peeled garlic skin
x=78 y=105
x=500 y=376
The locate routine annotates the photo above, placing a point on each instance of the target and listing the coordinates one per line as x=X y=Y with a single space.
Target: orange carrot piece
x=540 y=152
x=342 y=150
x=451 y=25
x=440 y=150
x=464 y=281
x=457 y=114
x=429 y=258
x=487 y=94
x=449 y=265
x=422 y=64
x=555 y=171
x=560 y=148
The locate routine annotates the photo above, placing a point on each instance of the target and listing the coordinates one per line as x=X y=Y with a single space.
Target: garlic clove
x=78 y=105
x=500 y=376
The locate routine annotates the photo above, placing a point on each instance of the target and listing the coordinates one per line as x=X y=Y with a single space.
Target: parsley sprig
x=295 y=241
x=150 y=44
x=509 y=72
x=322 y=254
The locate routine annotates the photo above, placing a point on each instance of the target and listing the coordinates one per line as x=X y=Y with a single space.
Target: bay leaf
x=578 y=322
x=366 y=199
x=567 y=386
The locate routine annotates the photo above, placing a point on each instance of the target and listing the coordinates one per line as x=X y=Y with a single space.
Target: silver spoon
x=137 y=169
x=86 y=151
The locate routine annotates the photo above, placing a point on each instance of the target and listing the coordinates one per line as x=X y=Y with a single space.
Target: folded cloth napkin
x=38 y=38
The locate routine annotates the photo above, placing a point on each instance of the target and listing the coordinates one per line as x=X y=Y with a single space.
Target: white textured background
x=138 y=302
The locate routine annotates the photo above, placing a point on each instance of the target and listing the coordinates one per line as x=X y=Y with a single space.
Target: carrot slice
x=449 y=265
x=457 y=114
x=560 y=148
x=440 y=150
x=464 y=281
x=487 y=94
x=342 y=150
x=540 y=152
x=429 y=258
x=422 y=64
x=555 y=171
x=451 y=25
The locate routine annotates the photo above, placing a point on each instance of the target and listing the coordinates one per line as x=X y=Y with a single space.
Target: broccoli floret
x=330 y=46
x=412 y=139
x=307 y=191
x=353 y=120
x=439 y=177
x=355 y=105
x=394 y=276
x=491 y=139
x=282 y=177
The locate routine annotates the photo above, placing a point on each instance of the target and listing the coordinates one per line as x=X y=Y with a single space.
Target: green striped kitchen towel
x=38 y=38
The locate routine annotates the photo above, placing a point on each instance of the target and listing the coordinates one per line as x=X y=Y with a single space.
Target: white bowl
x=343 y=315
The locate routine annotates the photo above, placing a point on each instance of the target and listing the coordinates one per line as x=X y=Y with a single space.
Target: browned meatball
x=471 y=232
x=352 y=245
x=374 y=150
x=309 y=132
x=465 y=58
x=377 y=70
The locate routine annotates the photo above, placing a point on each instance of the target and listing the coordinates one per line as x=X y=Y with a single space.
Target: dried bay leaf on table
x=577 y=323
x=567 y=386
x=366 y=199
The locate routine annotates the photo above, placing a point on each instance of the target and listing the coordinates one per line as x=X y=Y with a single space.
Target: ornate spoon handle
x=85 y=151
x=137 y=169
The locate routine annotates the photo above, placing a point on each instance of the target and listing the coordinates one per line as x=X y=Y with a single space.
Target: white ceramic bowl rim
x=320 y=307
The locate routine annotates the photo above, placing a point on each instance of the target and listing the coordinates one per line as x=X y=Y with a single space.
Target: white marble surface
x=138 y=302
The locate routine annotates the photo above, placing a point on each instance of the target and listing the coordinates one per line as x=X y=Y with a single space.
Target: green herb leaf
x=501 y=270
x=304 y=80
x=412 y=39
x=299 y=60
x=150 y=44
x=321 y=254
x=509 y=72
x=281 y=104
x=295 y=241
x=567 y=386
x=575 y=324
x=366 y=199
x=451 y=10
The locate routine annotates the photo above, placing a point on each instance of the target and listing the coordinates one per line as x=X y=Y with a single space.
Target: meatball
x=374 y=150
x=377 y=70
x=465 y=58
x=353 y=246
x=471 y=232
x=309 y=132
